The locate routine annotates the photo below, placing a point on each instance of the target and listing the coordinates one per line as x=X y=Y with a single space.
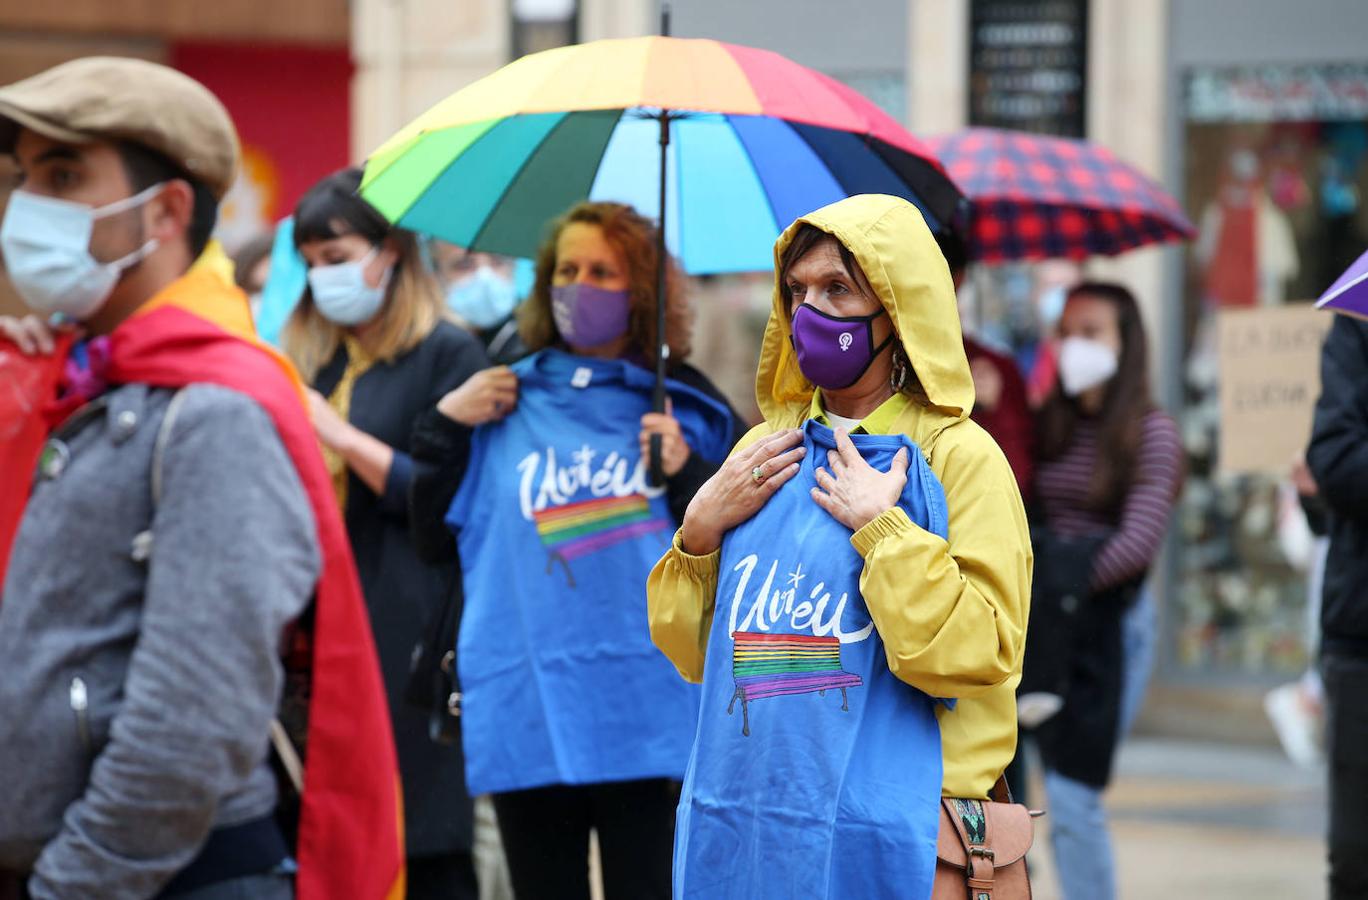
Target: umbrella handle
x=657 y=463
x=658 y=401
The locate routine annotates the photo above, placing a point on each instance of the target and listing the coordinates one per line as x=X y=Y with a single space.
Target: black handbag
x=431 y=683
x=1059 y=590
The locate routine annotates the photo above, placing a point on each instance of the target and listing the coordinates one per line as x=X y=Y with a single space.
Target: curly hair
x=633 y=236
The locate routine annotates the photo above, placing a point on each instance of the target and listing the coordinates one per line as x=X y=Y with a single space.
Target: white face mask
x=1084 y=364
x=341 y=293
x=46 y=243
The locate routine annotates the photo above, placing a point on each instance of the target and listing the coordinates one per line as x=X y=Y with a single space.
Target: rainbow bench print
x=776 y=665
x=578 y=529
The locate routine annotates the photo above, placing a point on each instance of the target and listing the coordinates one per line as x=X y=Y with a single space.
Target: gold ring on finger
x=757 y=475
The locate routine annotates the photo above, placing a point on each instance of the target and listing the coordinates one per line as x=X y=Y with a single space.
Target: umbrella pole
x=662 y=346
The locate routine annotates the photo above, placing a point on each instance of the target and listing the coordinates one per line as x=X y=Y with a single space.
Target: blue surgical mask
x=341 y=294
x=483 y=299
x=46 y=243
x=1051 y=305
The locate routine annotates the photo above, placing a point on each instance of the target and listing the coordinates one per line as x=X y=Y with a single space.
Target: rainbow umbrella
x=752 y=141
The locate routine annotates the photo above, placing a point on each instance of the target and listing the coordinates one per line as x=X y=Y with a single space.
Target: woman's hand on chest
x=853 y=491
x=739 y=489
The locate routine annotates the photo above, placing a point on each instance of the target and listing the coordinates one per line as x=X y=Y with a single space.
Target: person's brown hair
x=804 y=240
x=1124 y=406
x=249 y=256
x=413 y=305
x=633 y=236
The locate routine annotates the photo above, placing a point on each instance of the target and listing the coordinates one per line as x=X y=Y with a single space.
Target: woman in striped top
x=1110 y=467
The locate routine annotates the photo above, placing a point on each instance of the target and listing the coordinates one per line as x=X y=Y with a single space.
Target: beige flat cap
x=122 y=99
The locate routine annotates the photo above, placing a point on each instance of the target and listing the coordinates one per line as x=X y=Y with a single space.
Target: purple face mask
x=587 y=316
x=834 y=351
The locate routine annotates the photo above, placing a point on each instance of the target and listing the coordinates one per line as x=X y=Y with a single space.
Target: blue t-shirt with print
x=558 y=528
x=816 y=773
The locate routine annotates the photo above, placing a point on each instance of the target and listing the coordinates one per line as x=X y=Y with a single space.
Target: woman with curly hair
x=570 y=719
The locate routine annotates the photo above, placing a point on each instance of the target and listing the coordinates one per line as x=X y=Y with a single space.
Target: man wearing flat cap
x=172 y=529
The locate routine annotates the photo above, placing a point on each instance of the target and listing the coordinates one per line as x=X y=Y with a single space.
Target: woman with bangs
x=571 y=721
x=371 y=338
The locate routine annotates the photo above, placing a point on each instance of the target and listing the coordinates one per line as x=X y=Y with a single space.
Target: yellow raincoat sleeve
x=681 y=594
x=952 y=616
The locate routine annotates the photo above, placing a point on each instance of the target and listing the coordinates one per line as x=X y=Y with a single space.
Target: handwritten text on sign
x=1270 y=379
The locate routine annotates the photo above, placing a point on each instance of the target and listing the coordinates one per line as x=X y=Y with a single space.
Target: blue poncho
x=816 y=773
x=558 y=528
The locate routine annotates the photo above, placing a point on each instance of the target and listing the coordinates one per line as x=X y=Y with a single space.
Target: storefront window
x=1276 y=180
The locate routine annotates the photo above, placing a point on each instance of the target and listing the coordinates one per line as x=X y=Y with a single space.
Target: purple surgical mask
x=834 y=351
x=587 y=316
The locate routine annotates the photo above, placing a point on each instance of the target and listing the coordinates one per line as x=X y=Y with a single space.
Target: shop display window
x=1276 y=180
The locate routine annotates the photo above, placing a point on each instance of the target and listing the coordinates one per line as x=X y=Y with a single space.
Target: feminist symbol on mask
x=845 y=340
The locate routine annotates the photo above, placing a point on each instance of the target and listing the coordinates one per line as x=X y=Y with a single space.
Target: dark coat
x=1338 y=458
x=1075 y=638
x=503 y=344
x=403 y=593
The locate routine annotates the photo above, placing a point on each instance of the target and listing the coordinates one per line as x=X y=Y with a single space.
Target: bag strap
x=280 y=740
x=163 y=438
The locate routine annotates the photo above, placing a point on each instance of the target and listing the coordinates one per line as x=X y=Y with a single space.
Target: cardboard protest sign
x=1270 y=379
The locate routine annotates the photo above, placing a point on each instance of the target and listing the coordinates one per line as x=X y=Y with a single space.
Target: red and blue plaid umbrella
x=1038 y=197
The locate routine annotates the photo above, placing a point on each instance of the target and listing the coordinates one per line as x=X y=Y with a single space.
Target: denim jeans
x=1080 y=839
x=1139 y=635
x=1079 y=834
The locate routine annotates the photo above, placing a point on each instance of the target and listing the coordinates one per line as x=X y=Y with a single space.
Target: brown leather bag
x=981 y=850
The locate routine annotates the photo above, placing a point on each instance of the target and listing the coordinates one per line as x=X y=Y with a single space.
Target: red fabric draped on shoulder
x=28 y=389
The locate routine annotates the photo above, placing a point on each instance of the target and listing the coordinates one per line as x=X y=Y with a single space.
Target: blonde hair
x=413 y=305
x=633 y=236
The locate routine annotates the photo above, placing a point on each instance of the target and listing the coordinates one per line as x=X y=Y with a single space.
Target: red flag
x=28 y=386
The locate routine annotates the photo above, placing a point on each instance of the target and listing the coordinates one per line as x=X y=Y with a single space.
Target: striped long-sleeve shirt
x=1136 y=533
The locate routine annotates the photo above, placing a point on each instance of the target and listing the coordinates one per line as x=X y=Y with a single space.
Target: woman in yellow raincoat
x=866 y=539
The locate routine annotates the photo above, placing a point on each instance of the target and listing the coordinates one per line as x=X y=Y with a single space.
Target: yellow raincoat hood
x=889 y=238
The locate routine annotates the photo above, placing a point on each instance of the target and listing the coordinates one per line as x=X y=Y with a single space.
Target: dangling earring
x=897 y=378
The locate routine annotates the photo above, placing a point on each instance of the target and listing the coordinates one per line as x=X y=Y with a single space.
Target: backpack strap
x=142 y=551
x=168 y=422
